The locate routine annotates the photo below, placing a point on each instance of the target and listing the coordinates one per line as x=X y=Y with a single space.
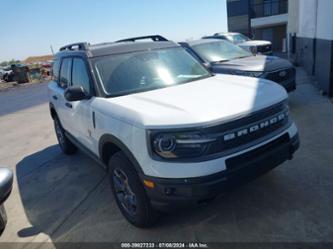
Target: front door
x=80 y=112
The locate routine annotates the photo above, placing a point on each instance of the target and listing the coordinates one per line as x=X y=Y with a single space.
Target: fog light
x=148 y=184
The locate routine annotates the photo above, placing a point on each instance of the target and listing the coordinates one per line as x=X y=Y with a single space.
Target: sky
x=28 y=28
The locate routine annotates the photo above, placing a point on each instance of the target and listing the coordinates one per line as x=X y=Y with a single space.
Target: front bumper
x=178 y=192
x=265 y=53
x=289 y=85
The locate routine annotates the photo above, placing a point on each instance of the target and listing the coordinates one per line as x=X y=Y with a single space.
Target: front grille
x=281 y=75
x=221 y=132
x=251 y=156
x=264 y=48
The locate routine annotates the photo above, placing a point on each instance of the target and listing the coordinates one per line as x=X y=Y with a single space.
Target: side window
x=55 y=70
x=65 y=72
x=80 y=76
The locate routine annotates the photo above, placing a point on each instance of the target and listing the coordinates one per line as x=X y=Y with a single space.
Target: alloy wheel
x=124 y=193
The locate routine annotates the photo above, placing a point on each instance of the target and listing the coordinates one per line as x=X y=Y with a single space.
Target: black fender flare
x=52 y=109
x=108 y=138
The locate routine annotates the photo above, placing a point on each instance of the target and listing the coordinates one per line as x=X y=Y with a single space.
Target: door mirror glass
x=6 y=182
x=75 y=93
x=206 y=65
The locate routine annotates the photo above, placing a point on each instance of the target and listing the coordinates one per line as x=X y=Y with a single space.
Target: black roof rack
x=75 y=46
x=152 y=37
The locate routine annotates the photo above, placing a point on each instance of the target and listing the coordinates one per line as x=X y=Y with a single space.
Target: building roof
x=37 y=59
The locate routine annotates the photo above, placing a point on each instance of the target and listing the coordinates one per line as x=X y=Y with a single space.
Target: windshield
x=142 y=71
x=220 y=51
x=239 y=38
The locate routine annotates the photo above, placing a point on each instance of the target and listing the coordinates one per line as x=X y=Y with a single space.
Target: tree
x=4 y=63
x=10 y=62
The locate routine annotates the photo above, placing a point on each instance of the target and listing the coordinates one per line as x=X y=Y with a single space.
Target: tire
x=65 y=144
x=131 y=198
x=3 y=218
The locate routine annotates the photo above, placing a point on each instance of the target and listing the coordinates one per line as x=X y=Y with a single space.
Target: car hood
x=259 y=63
x=255 y=43
x=215 y=99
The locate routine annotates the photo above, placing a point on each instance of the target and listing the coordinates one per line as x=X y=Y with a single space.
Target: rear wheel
x=65 y=144
x=129 y=192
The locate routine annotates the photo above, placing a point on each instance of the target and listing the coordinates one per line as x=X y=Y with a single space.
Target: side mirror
x=206 y=65
x=6 y=183
x=75 y=93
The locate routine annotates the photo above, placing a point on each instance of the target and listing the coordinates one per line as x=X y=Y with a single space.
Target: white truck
x=168 y=131
x=253 y=46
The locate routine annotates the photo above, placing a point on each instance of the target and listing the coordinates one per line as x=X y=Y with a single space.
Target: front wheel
x=3 y=218
x=129 y=192
x=65 y=144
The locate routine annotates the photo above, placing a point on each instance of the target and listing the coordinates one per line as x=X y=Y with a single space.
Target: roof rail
x=152 y=37
x=75 y=46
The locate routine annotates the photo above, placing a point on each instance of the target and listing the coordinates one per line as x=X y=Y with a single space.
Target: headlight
x=247 y=73
x=253 y=50
x=179 y=145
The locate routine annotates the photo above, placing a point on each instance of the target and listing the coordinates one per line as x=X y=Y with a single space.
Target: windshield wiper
x=221 y=61
x=240 y=57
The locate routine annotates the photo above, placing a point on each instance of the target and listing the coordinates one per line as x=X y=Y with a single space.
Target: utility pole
x=52 y=50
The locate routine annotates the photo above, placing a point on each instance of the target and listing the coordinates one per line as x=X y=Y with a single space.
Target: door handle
x=54 y=97
x=69 y=105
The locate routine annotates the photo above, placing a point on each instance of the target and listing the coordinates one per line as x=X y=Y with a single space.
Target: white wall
x=315 y=19
x=325 y=19
x=307 y=18
x=293 y=14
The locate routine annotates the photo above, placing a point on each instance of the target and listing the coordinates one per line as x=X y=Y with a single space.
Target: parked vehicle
x=253 y=46
x=20 y=73
x=2 y=73
x=7 y=74
x=16 y=72
x=6 y=183
x=169 y=132
x=226 y=58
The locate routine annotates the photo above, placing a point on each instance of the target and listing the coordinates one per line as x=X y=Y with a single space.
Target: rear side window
x=55 y=70
x=65 y=72
x=80 y=76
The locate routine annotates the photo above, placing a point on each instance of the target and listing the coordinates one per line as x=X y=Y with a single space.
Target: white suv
x=168 y=131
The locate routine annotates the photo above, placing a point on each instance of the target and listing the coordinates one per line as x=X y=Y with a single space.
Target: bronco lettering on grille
x=256 y=127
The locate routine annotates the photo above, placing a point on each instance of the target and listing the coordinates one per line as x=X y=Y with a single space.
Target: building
x=303 y=28
x=38 y=59
x=310 y=39
x=260 y=19
x=238 y=16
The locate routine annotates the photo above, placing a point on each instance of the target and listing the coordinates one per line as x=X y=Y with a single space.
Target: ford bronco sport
x=168 y=131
